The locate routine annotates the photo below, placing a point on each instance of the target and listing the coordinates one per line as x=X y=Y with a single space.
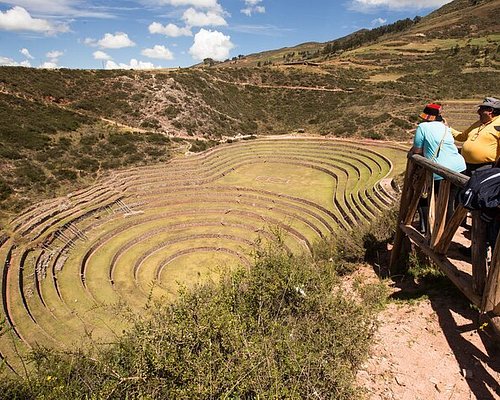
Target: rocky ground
x=430 y=345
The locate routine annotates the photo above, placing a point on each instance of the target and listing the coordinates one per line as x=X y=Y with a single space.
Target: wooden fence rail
x=478 y=279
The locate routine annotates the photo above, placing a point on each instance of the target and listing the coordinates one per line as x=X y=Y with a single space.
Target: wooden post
x=491 y=297
x=407 y=208
x=416 y=193
x=478 y=259
x=441 y=211
x=399 y=235
x=431 y=198
x=451 y=227
x=461 y=279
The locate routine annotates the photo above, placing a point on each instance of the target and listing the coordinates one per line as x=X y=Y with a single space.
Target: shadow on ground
x=447 y=301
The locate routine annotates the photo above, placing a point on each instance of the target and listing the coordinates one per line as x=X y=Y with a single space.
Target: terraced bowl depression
x=73 y=267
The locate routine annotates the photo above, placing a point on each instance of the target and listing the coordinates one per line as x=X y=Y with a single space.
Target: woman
x=434 y=140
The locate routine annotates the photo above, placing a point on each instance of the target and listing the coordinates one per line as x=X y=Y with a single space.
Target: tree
x=209 y=61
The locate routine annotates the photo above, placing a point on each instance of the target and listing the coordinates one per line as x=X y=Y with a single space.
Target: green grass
x=177 y=217
x=280 y=327
x=237 y=209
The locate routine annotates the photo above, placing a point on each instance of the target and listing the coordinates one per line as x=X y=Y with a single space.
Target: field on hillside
x=75 y=268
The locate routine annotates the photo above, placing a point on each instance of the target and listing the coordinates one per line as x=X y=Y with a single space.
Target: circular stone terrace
x=74 y=266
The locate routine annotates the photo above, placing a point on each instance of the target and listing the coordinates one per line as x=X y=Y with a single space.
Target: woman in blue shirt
x=433 y=140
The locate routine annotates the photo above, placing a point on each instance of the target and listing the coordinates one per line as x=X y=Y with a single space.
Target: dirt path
x=262 y=85
x=431 y=347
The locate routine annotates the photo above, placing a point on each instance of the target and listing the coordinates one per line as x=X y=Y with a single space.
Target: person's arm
x=462 y=136
x=416 y=150
x=418 y=142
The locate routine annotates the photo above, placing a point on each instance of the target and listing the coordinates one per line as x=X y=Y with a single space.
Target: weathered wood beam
x=478 y=252
x=431 y=199
x=441 y=211
x=416 y=193
x=461 y=280
x=455 y=178
x=397 y=248
x=491 y=294
x=450 y=229
x=412 y=190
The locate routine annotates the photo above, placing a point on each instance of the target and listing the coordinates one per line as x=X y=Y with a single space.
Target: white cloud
x=54 y=54
x=26 y=53
x=170 y=30
x=49 y=65
x=211 y=44
x=101 y=55
x=378 y=21
x=207 y=4
x=134 y=64
x=116 y=41
x=253 y=7
x=18 y=19
x=53 y=59
x=158 y=51
x=263 y=30
x=90 y=42
x=74 y=8
x=196 y=18
x=372 y=5
x=9 y=62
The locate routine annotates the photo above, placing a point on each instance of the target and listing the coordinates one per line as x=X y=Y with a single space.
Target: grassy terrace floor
x=74 y=267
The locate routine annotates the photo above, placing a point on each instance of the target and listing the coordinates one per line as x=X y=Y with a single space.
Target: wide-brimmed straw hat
x=431 y=112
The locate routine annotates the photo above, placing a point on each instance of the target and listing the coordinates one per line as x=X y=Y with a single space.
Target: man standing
x=481 y=146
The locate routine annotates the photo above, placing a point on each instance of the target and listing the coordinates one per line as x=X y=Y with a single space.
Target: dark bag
x=482 y=190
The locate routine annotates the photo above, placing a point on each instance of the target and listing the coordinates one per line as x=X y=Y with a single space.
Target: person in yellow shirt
x=481 y=147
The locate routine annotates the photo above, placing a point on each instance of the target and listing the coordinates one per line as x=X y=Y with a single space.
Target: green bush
x=29 y=173
x=65 y=173
x=280 y=329
x=156 y=138
x=9 y=153
x=87 y=164
x=5 y=190
x=362 y=243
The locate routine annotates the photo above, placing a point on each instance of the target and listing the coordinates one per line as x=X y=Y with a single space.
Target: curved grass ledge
x=72 y=259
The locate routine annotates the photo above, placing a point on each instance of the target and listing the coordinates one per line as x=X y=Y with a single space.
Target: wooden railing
x=476 y=278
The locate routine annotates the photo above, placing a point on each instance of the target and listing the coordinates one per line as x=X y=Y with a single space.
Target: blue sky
x=171 y=33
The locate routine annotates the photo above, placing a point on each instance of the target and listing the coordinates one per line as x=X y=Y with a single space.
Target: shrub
x=5 y=190
x=122 y=139
x=280 y=329
x=10 y=153
x=67 y=174
x=89 y=140
x=28 y=173
x=156 y=138
x=87 y=164
x=362 y=243
x=199 y=145
x=372 y=134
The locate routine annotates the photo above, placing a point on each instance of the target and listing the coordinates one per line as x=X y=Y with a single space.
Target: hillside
x=456 y=23
x=64 y=128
